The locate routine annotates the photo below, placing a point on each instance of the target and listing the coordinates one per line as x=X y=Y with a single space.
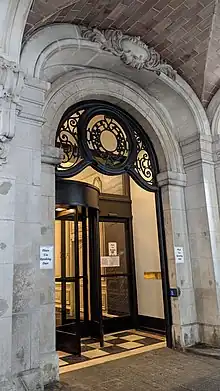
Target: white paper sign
x=46 y=257
x=179 y=254
x=110 y=261
x=112 y=249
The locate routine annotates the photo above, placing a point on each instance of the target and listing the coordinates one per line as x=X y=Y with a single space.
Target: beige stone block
x=25 y=293
x=203 y=273
x=197 y=220
x=33 y=205
x=179 y=224
x=27 y=241
x=190 y=334
x=44 y=210
x=184 y=274
x=47 y=210
x=6 y=289
x=47 y=234
x=195 y=196
x=33 y=91
x=51 y=208
x=176 y=198
x=47 y=327
x=36 y=168
x=48 y=183
x=187 y=306
x=210 y=334
x=200 y=245
x=172 y=271
x=7 y=384
x=21 y=337
x=32 y=108
x=6 y=241
x=206 y=305
x=194 y=175
x=5 y=345
x=50 y=367
x=215 y=244
x=35 y=338
x=27 y=134
x=177 y=335
x=7 y=199
x=20 y=164
x=47 y=287
x=214 y=221
x=175 y=307
x=30 y=379
x=211 y=194
x=21 y=202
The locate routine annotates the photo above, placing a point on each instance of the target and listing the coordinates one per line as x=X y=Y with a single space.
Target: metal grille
x=105 y=137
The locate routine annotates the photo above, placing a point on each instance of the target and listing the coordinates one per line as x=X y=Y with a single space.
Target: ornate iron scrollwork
x=142 y=166
x=108 y=141
x=67 y=139
x=105 y=137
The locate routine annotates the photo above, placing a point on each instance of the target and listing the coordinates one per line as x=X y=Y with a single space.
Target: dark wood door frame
x=130 y=321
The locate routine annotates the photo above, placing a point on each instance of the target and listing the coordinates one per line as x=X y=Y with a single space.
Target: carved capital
x=11 y=83
x=132 y=50
x=51 y=155
x=171 y=178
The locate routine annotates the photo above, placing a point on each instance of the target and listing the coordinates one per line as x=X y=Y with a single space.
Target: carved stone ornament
x=131 y=50
x=11 y=82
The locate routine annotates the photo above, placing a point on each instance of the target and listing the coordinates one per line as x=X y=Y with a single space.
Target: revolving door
x=78 y=287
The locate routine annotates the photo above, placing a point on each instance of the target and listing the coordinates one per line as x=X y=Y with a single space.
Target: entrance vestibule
x=108 y=257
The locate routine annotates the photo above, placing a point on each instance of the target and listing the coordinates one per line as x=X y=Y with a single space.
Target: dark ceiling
x=185 y=33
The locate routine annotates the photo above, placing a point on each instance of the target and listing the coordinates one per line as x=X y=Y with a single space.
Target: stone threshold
x=204 y=350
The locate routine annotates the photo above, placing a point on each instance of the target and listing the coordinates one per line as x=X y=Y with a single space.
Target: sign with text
x=112 y=249
x=110 y=261
x=179 y=254
x=46 y=257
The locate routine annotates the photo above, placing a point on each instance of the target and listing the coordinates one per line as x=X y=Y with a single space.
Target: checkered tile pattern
x=113 y=344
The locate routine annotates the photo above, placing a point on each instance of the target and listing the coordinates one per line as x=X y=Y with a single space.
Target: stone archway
x=90 y=85
x=150 y=104
x=177 y=125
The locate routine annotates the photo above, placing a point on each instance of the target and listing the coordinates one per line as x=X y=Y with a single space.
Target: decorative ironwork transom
x=105 y=137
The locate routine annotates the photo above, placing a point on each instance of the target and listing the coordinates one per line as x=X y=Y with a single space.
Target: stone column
x=20 y=235
x=185 y=330
x=50 y=157
x=204 y=229
x=216 y=158
x=10 y=82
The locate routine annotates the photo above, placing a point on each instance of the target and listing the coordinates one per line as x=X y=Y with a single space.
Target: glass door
x=118 y=299
x=77 y=273
x=67 y=269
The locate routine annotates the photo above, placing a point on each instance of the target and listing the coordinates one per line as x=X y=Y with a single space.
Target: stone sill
x=205 y=350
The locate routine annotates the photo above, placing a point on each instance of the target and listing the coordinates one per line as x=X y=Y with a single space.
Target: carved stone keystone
x=132 y=51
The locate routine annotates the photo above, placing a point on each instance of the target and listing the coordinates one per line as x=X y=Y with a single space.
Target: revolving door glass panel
x=77 y=271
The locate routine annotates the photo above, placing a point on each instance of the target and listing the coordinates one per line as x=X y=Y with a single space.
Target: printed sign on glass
x=110 y=261
x=112 y=249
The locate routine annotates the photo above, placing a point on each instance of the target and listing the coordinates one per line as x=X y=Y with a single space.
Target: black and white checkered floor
x=118 y=344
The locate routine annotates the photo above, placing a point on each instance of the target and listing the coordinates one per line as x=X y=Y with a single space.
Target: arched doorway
x=104 y=137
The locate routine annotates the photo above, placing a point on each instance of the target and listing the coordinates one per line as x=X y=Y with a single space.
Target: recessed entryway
x=111 y=271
